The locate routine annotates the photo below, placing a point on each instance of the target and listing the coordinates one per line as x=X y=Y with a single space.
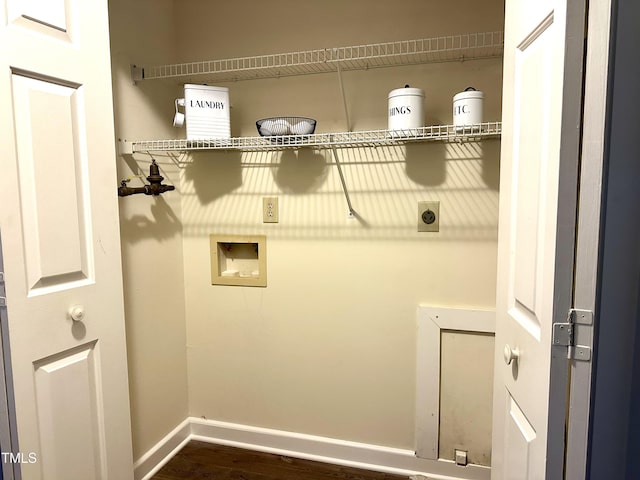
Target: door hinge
x=564 y=334
x=3 y=300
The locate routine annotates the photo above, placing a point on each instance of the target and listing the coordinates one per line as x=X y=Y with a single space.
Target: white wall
x=151 y=228
x=328 y=347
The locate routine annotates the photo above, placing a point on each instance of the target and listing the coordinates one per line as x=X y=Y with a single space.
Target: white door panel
x=534 y=214
x=520 y=436
x=52 y=13
x=538 y=191
x=57 y=20
x=529 y=155
x=52 y=217
x=59 y=226
x=68 y=399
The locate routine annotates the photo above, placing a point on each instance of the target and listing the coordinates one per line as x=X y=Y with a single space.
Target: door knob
x=510 y=354
x=76 y=313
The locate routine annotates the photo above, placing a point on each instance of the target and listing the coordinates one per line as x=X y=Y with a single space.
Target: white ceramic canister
x=467 y=107
x=406 y=109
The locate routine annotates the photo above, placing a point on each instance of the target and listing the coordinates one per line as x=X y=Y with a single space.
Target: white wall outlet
x=270 y=210
x=429 y=216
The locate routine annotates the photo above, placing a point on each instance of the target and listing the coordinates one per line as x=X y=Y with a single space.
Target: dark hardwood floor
x=206 y=461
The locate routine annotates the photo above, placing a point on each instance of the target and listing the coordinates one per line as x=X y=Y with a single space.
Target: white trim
x=310 y=447
x=329 y=450
x=594 y=131
x=152 y=461
x=431 y=320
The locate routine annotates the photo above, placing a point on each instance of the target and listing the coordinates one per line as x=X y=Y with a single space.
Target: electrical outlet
x=429 y=216
x=270 y=210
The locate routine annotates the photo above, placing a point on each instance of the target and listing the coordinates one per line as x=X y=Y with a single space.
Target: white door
x=60 y=238
x=538 y=191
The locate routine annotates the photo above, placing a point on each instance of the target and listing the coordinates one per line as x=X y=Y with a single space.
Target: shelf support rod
x=344 y=97
x=351 y=212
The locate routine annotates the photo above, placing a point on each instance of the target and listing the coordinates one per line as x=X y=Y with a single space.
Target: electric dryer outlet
x=429 y=216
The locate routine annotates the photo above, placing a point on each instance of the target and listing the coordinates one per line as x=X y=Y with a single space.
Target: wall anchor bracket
x=137 y=74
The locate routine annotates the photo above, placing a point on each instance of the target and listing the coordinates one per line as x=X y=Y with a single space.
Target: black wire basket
x=283 y=130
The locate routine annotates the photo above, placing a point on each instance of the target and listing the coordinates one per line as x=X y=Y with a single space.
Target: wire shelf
x=360 y=57
x=369 y=138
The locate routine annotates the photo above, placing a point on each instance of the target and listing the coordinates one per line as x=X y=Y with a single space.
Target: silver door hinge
x=564 y=333
x=3 y=300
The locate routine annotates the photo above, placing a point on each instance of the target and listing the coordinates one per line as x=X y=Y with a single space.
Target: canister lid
x=406 y=91
x=469 y=92
x=194 y=86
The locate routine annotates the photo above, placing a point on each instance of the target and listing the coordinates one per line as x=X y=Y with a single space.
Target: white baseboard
x=152 y=461
x=310 y=447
